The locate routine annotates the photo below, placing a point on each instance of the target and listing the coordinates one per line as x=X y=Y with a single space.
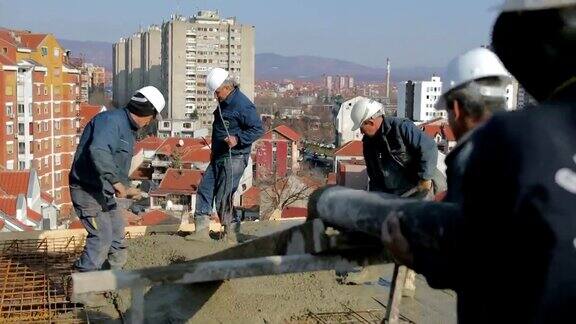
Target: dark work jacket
x=242 y=121
x=104 y=152
x=399 y=156
x=515 y=241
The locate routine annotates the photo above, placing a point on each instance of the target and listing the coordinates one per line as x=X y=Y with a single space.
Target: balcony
x=161 y=163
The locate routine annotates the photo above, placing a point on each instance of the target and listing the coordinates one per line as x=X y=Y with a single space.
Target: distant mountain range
x=271 y=66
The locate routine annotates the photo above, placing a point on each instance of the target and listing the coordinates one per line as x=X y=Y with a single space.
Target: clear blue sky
x=410 y=32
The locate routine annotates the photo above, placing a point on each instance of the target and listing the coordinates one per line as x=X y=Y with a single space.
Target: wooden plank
x=67 y=233
x=393 y=309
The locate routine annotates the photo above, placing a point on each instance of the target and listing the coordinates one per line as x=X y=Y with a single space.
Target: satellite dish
x=180 y=142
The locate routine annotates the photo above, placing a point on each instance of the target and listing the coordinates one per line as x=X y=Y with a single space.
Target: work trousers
x=105 y=248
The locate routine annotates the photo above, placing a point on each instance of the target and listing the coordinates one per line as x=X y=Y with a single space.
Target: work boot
x=201 y=228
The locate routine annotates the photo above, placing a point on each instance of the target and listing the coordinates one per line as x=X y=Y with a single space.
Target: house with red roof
x=177 y=190
x=439 y=130
x=352 y=150
x=277 y=152
x=32 y=207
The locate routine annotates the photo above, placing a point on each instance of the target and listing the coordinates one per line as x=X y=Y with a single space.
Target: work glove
x=425 y=185
x=134 y=193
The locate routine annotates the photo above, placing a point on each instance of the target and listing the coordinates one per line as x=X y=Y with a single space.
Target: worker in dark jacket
x=518 y=220
x=476 y=89
x=236 y=126
x=99 y=174
x=398 y=155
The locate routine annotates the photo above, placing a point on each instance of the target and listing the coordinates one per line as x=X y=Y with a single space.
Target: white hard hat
x=215 y=78
x=473 y=65
x=154 y=96
x=526 y=5
x=363 y=110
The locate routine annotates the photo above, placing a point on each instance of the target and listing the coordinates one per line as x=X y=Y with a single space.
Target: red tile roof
x=87 y=112
x=46 y=197
x=294 y=212
x=76 y=224
x=32 y=41
x=433 y=129
x=288 y=133
x=149 y=143
x=170 y=144
x=1 y=224
x=352 y=148
x=201 y=154
x=8 y=205
x=14 y=182
x=251 y=198
x=154 y=217
x=33 y=216
x=142 y=173
x=179 y=181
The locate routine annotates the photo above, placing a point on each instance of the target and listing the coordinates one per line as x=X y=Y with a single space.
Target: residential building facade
x=189 y=48
x=40 y=98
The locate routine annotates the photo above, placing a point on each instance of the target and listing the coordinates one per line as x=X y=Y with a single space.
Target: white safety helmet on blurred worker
x=216 y=78
x=528 y=5
x=154 y=96
x=363 y=110
x=473 y=65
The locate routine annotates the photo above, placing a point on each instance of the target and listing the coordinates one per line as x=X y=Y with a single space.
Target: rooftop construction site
x=34 y=266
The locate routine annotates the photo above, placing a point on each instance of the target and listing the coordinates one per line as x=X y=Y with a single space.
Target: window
x=44 y=50
x=56 y=52
x=187 y=125
x=20 y=129
x=46 y=164
x=45 y=91
x=57 y=142
x=58 y=177
x=58 y=195
x=21 y=165
x=21 y=148
x=57 y=90
x=45 y=108
x=38 y=90
x=9 y=148
x=20 y=109
x=4 y=50
x=57 y=159
x=45 y=126
x=9 y=129
x=9 y=111
x=56 y=107
x=9 y=90
x=166 y=124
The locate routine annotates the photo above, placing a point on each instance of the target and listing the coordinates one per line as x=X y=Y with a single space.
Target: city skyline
x=422 y=34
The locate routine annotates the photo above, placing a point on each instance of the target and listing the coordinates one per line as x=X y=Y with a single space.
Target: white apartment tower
x=417 y=100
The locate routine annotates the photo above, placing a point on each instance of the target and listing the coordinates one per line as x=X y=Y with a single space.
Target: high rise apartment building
x=39 y=94
x=188 y=48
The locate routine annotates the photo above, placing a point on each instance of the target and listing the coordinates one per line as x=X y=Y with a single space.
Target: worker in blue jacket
x=99 y=174
x=236 y=126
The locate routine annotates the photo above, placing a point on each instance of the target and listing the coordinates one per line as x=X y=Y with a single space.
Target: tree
x=281 y=193
x=176 y=159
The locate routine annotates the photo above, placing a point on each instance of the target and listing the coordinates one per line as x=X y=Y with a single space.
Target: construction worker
x=398 y=155
x=99 y=174
x=513 y=249
x=236 y=126
x=400 y=158
x=476 y=89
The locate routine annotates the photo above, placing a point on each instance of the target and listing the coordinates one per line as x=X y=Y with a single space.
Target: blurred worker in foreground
x=476 y=89
x=514 y=248
x=99 y=174
x=236 y=126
